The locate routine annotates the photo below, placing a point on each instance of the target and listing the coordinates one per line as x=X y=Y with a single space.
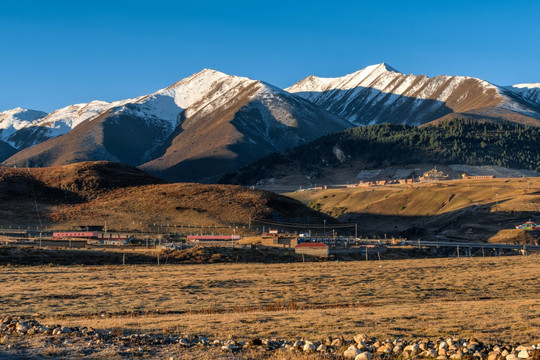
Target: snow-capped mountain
x=198 y=128
x=380 y=93
x=530 y=92
x=13 y=120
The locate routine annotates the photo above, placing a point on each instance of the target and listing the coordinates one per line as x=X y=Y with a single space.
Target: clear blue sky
x=55 y=53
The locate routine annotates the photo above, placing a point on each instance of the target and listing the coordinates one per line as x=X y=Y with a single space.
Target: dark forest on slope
x=450 y=142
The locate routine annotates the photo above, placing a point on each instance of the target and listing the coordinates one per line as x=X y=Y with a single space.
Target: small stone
x=494 y=355
x=183 y=342
x=366 y=355
x=229 y=347
x=66 y=330
x=351 y=352
x=361 y=338
x=442 y=357
x=523 y=354
x=431 y=353
x=337 y=343
x=255 y=342
x=456 y=356
x=479 y=355
x=321 y=348
x=21 y=328
x=309 y=347
x=511 y=357
x=412 y=350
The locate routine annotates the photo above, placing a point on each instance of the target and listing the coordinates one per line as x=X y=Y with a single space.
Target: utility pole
x=355 y=231
x=324 y=227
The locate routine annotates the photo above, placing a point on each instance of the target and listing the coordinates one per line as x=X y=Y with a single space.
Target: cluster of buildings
x=320 y=246
x=432 y=175
x=94 y=237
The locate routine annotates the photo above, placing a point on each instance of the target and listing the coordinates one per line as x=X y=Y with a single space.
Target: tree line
x=454 y=141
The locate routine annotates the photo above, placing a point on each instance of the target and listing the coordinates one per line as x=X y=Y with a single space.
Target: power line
x=35 y=197
x=307 y=226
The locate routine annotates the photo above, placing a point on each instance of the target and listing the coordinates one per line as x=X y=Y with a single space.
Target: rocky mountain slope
x=11 y=121
x=379 y=94
x=529 y=92
x=194 y=130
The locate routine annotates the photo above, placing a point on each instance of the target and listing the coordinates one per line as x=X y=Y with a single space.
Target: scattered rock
x=309 y=346
x=255 y=342
x=351 y=352
x=366 y=355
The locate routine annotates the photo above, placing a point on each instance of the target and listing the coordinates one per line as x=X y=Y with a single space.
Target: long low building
x=323 y=250
x=197 y=238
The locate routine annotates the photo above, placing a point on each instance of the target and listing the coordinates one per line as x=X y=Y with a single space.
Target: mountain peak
x=22 y=115
x=385 y=66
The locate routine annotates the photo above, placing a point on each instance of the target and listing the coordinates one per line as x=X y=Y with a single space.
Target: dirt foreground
x=495 y=300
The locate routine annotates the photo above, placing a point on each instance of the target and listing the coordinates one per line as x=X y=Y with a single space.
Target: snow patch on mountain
x=205 y=91
x=529 y=92
x=379 y=93
x=16 y=119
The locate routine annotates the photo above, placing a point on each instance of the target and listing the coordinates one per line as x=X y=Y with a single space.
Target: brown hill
x=92 y=193
x=457 y=209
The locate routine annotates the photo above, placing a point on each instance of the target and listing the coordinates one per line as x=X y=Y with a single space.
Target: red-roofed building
x=313 y=249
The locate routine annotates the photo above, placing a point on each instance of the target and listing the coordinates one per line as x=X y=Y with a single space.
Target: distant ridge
x=195 y=130
x=211 y=123
x=379 y=94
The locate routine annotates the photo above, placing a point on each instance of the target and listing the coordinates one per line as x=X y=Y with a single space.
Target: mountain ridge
x=379 y=93
x=193 y=130
x=211 y=123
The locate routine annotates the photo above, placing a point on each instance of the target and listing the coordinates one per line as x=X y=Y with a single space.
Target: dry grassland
x=430 y=199
x=467 y=209
x=490 y=298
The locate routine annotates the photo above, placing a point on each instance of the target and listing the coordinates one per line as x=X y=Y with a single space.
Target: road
x=455 y=244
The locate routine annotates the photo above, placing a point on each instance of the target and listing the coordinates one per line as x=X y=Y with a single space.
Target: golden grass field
x=431 y=198
x=467 y=209
x=495 y=298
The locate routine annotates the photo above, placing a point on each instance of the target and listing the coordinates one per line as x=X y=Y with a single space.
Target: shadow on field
x=474 y=223
x=11 y=255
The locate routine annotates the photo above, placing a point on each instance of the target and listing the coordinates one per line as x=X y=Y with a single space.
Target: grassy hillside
x=92 y=193
x=379 y=146
x=460 y=209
